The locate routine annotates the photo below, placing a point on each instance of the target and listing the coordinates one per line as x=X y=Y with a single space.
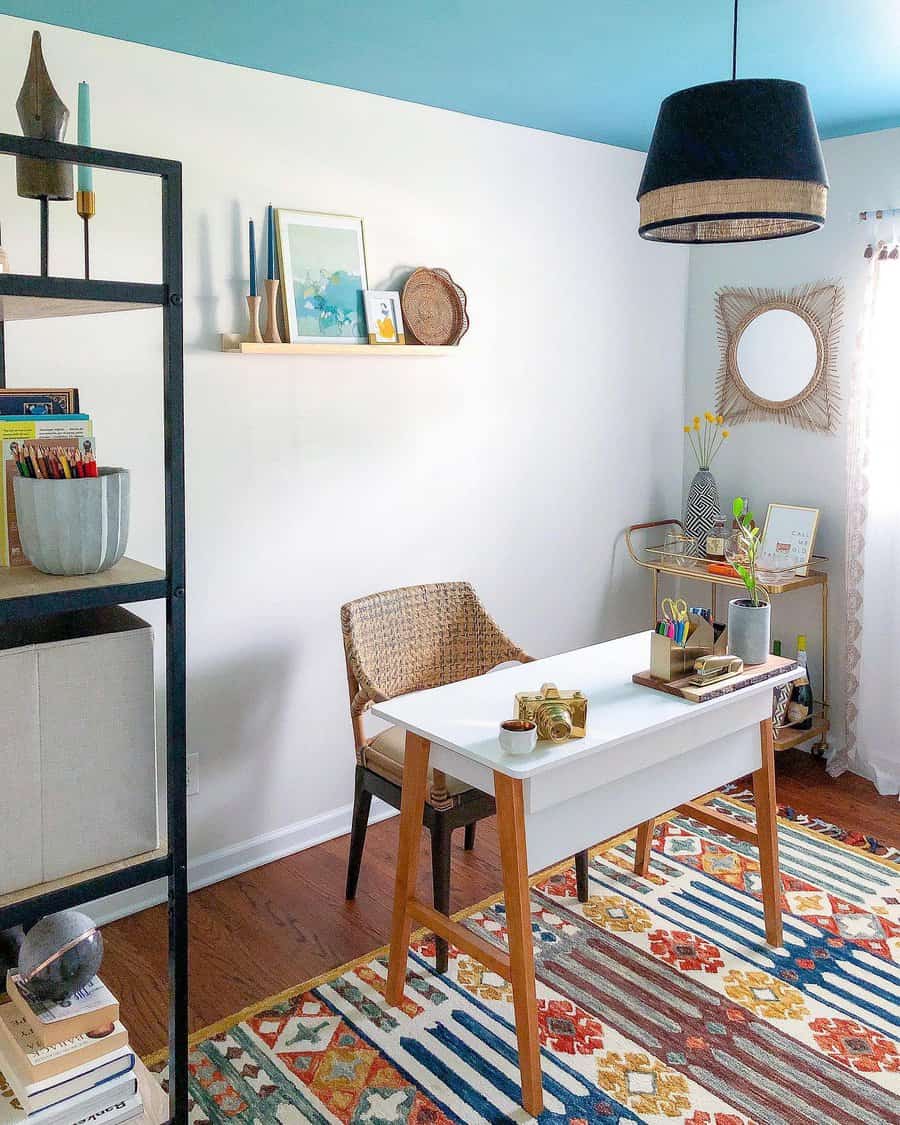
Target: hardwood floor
x=282 y=924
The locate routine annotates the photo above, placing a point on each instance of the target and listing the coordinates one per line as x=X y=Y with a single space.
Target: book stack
x=42 y=434
x=66 y=1064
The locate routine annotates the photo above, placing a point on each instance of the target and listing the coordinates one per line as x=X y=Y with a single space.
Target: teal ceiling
x=588 y=68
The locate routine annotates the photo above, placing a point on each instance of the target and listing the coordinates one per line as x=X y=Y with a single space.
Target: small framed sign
x=384 y=319
x=789 y=537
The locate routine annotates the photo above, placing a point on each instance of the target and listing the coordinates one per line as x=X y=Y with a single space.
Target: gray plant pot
x=74 y=526
x=749 y=627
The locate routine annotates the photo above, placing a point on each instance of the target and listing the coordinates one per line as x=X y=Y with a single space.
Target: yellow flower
x=696 y=421
x=709 y=417
x=720 y=419
x=725 y=433
x=687 y=429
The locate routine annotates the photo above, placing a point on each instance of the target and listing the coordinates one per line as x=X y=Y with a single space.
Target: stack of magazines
x=67 y=1064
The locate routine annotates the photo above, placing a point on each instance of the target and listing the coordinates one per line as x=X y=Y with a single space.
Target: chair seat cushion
x=384 y=755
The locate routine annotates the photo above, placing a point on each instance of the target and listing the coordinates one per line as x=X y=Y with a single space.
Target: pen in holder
x=670 y=660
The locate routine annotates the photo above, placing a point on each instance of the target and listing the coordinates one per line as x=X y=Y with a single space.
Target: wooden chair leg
x=440 y=879
x=469 y=840
x=511 y=829
x=767 y=836
x=362 y=802
x=412 y=807
x=643 y=845
x=582 y=879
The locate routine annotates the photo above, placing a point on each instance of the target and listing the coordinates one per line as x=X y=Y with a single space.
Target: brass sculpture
x=44 y=115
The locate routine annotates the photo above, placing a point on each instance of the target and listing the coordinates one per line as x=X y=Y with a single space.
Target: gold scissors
x=675 y=610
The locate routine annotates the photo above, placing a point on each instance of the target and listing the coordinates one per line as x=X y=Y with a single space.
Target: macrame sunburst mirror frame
x=816 y=406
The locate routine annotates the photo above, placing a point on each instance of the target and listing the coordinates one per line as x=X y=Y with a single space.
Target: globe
x=59 y=955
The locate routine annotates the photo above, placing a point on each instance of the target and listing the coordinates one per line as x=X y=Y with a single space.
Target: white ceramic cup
x=518 y=736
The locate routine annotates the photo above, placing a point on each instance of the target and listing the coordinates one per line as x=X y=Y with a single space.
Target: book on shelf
x=37 y=1063
x=110 y=1103
x=42 y=433
x=36 y=1096
x=90 y=1009
x=39 y=401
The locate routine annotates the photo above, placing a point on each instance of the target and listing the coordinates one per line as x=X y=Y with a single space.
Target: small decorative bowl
x=74 y=526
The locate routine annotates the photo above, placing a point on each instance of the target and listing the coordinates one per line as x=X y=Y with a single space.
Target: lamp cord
x=734 y=44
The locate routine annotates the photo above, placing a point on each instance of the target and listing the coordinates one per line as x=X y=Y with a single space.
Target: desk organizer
x=78 y=752
x=670 y=661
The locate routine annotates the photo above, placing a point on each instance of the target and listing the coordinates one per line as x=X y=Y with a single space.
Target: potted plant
x=705 y=437
x=749 y=619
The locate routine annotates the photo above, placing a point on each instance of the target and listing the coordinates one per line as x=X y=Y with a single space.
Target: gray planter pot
x=749 y=627
x=702 y=508
x=74 y=526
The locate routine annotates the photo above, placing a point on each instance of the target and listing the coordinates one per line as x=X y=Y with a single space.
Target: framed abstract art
x=323 y=276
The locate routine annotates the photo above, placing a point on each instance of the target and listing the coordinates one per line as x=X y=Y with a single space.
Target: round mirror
x=777 y=355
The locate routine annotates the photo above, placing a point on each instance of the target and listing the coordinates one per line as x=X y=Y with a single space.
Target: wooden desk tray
x=754 y=674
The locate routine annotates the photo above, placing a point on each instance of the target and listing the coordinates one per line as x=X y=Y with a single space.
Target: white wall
x=514 y=463
x=769 y=462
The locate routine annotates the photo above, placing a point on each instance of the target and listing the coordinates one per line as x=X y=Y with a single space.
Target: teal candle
x=85 y=175
x=253 y=292
x=271 y=244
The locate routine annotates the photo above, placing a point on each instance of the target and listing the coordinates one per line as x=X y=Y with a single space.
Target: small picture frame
x=384 y=318
x=789 y=537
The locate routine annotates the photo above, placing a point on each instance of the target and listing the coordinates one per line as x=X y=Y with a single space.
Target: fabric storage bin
x=77 y=744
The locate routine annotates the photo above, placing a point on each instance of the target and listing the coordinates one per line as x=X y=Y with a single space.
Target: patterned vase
x=702 y=508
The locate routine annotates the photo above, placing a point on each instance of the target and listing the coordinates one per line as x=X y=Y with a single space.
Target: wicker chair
x=407 y=640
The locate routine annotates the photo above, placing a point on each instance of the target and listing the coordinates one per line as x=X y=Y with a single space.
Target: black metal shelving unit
x=26 y=297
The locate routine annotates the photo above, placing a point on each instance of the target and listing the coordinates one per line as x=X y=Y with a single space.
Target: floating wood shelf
x=26 y=592
x=235 y=346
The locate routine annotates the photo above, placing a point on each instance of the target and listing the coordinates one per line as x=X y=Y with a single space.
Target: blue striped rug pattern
x=659 y=1001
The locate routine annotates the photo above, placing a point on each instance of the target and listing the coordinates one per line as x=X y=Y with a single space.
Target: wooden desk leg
x=412 y=807
x=511 y=829
x=643 y=844
x=767 y=833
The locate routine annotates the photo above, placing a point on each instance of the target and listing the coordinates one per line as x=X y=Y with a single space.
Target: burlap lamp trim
x=732 y=210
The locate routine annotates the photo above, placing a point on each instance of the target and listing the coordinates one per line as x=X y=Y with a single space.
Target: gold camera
x=558 y=715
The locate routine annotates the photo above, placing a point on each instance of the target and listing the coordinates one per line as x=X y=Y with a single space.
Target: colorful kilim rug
x=658 y=1000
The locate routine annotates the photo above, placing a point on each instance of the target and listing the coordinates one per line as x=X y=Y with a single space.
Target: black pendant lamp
x=734 y=161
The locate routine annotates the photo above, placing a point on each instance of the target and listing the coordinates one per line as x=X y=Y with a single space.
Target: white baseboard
x=223 y=864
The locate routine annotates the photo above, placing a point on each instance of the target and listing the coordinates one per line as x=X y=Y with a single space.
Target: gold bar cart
x=694 y=568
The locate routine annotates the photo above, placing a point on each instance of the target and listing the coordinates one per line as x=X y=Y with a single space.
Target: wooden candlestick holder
x=254 y=336
x=271 y=334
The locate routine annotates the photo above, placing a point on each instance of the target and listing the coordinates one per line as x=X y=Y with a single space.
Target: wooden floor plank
x=269 y=929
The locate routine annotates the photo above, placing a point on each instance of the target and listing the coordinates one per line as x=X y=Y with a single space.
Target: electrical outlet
x=193 y=774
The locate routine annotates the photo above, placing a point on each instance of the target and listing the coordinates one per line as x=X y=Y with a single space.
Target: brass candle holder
x=254 y=336
x=271 y=334
x=86 y=206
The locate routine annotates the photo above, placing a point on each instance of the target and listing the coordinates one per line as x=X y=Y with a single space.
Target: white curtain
x=873 y=539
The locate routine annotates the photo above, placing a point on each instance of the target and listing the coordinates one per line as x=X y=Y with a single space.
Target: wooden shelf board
x=26 y=893
x=355 y=350
x=156 y=1101
x=26 y=582
x=43 y=308
x=790 y=736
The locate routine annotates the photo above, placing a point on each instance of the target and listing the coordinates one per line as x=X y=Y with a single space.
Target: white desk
x=644 y=753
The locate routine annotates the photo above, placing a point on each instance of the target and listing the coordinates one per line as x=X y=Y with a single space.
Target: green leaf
x=737 y=507
x=754 y=531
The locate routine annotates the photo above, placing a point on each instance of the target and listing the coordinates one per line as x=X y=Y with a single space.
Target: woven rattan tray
x=434 y=307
